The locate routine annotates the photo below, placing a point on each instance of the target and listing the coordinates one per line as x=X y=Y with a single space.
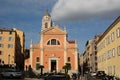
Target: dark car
x=43 y=76
x=100 y=74
x=57 y=77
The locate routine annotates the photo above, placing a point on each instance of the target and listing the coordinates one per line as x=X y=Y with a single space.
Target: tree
x=41 y=69
x=67 y=67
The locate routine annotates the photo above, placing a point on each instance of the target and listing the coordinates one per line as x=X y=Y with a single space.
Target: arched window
x=53 y=42
x=46 y=25
x=118 y=32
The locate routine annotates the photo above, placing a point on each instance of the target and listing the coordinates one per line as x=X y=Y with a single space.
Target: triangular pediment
x=54 y=31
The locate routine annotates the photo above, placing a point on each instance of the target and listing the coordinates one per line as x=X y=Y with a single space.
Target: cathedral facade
x=54 y=50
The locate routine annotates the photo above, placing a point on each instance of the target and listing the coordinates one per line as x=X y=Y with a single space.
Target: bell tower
x=46 y=21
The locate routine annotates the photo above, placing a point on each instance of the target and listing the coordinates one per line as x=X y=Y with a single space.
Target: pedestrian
x=78 y=75
x=26 y=67
x=74 y=76
x=114 y=78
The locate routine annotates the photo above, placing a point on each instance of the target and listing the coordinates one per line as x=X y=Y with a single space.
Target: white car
x=11 y=73
x=93 y=73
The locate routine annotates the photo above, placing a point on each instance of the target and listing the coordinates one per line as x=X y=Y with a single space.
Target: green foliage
x=67 y=76
x=67 y=67
x=41 y=68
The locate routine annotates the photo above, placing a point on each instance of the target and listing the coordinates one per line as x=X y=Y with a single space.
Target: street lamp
x=9 y=59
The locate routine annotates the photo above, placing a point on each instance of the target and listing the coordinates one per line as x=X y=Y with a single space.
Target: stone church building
x=54 y=50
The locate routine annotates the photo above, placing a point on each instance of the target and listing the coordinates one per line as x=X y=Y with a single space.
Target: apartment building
x=20 y=48
x=90 y=55
x=108 y=48
x=93 y=55
x=81 y=63
x=12 y=47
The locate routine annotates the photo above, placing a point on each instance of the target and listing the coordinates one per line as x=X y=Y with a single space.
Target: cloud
x=84 y=9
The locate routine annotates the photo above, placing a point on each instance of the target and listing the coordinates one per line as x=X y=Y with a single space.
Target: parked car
x=54 y=76
x=93 y=74
x=43 y=76
x=100 y=74
x=57 y=77
x=11 y=73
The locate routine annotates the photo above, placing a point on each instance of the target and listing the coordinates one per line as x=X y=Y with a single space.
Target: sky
x=83 y=19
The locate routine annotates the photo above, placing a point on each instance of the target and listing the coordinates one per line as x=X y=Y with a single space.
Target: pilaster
x=31 y=53
x=65 y=49
x=76 y=56
x=41 y=50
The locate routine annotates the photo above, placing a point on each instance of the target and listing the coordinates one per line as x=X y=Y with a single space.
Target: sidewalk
x=82 y=78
